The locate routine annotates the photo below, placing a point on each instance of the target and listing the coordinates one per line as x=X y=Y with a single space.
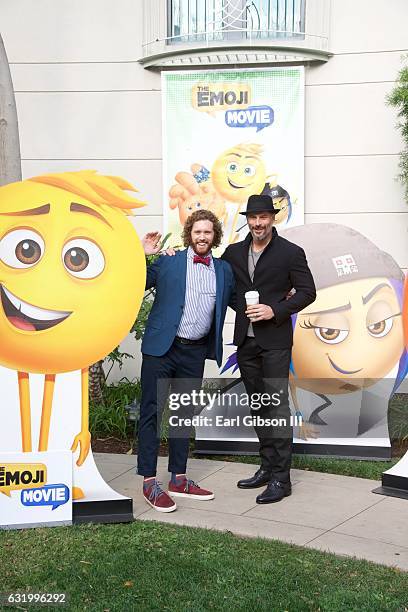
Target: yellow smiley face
x=238 y=173
x=72 y=277
x=352 y=332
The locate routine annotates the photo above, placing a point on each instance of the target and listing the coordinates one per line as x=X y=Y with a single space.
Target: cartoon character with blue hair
x=351 y=337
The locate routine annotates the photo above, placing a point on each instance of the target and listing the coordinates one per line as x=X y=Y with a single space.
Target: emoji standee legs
x=67 y=252
x=82 y=439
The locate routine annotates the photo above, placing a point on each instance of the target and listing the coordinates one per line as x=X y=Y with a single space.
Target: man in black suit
x=263 y=334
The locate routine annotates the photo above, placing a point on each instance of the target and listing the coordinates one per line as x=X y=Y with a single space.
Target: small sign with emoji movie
x=36 y=489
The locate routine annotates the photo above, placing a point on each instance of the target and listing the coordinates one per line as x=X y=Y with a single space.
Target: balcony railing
x=191 y=21
x=205 y=32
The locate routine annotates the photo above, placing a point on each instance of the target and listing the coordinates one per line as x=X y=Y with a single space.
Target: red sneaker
x=184 y=487
x=157 y=498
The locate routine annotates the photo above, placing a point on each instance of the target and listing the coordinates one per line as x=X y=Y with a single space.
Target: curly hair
x=202 y=215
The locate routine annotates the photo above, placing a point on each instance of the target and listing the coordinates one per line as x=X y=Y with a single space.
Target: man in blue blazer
x=193 y=290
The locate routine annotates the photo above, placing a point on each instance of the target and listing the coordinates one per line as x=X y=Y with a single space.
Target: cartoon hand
x=211 y=199
x=84 y=441
x=151 y=243
x=196 y=185
x=186 y=187
x=200 y=173
x=306 y=430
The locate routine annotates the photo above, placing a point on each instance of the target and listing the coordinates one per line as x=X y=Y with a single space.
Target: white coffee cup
x=252 y=297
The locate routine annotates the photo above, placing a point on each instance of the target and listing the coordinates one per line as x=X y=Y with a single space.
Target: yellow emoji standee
x=72 y=278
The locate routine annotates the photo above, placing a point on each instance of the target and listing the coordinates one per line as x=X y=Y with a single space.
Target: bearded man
x=184 y=328
x=275 y=268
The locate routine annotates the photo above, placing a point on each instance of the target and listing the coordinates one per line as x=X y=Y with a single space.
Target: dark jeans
x=182 y=367
x=267 y=371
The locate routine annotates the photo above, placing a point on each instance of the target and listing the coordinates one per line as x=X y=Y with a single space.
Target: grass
x=398 y=416
x=155 y=567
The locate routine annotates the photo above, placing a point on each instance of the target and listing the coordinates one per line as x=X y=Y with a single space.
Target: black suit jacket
x=281 y=267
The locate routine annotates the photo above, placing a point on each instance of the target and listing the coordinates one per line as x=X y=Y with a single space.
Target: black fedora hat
x=258 y=204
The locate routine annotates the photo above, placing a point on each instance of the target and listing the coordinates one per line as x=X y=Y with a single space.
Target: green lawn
x=151 y=566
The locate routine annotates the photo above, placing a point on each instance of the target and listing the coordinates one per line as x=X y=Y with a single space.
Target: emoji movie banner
x=228 y=135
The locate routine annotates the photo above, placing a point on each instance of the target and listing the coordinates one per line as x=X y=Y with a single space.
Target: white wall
x=83 y=101
x=351 y=144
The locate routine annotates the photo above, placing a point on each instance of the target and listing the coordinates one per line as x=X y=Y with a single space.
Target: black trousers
x=181 y=368
x=267 y=371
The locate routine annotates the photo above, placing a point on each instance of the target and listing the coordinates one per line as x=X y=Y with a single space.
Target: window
x=216 y=20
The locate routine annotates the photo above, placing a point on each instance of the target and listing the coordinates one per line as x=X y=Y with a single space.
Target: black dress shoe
x=274 y=492
x=259 y=479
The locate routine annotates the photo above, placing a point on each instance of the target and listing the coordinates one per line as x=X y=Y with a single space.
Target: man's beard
x=260 y=237
x=207 y=244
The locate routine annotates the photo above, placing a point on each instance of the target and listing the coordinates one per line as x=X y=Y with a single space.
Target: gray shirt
x=252 y=261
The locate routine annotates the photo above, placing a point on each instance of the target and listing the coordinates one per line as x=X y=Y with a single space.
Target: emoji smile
x=336 y=367
x=235 y=186
x=26 y=317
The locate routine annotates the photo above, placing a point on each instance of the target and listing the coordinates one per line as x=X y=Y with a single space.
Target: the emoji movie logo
x=15 y=476
x=220 y=96
x=254 y=116
x=54 y=495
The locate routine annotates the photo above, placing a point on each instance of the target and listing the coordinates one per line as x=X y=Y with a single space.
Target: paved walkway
x=327 y=512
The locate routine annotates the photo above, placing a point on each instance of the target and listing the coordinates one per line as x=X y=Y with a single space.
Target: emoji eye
x=380 y=329
x=249 y=170
x=331 y=336
x=21 y=248
x=83 y=258
x=232 y=167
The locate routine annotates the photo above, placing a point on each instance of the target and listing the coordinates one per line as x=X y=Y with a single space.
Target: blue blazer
x=168 y=275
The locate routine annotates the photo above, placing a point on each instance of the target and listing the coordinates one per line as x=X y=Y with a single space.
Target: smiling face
x=72 y=278
x=351 y=332
x=260 y=225
x=202 y=237
x=238 y=173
